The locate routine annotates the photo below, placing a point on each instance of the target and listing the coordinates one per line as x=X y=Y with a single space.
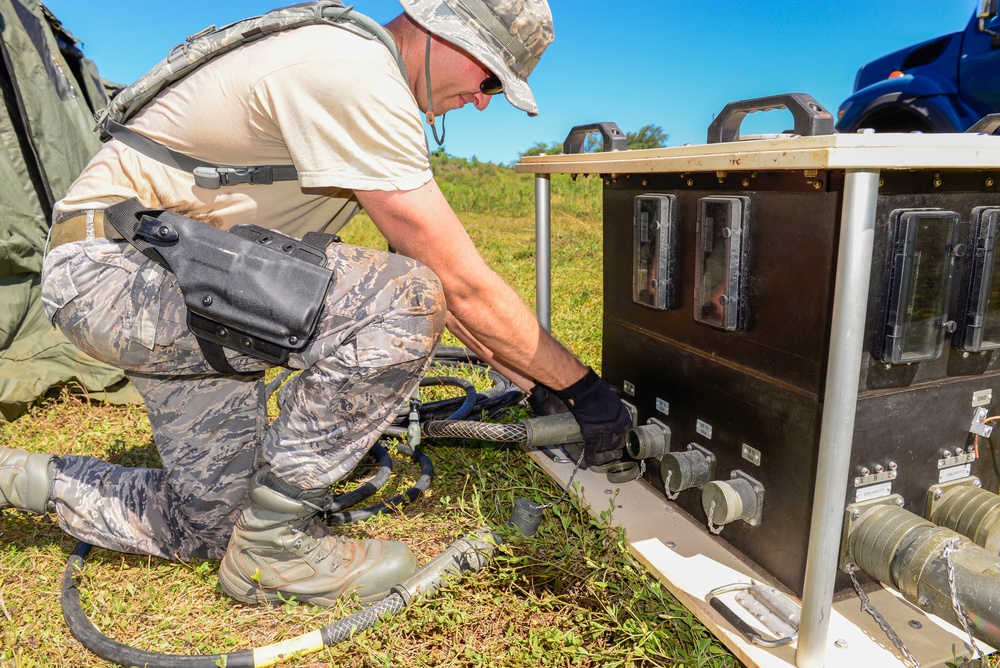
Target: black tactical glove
x=602 y=417
x=543 y=401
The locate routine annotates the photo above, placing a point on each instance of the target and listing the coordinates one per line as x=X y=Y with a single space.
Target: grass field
x=572 y=596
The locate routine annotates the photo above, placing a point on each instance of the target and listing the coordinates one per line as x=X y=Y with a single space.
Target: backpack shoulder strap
x=211 y=43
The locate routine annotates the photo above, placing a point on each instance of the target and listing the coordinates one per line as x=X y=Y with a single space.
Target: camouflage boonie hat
x=506 y=36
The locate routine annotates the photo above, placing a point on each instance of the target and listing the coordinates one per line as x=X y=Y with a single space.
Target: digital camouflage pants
x=381 y=321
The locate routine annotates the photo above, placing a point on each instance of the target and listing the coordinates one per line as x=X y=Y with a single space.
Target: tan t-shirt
x=330 y=102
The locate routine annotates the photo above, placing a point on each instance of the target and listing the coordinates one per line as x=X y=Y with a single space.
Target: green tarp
x=48 y=94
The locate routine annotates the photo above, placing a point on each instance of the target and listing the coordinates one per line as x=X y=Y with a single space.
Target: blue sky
x=665 y=62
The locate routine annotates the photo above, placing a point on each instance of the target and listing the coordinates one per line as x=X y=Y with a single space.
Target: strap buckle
x=214 y=178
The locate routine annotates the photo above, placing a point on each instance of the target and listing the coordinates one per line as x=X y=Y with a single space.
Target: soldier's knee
x=422 y=294
x=433 y=294
x=411 y=316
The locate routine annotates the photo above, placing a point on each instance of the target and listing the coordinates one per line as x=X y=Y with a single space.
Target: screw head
x=865 y=471
x=855 y=514
x=293 y=340
x=879 y=468
x=206 y=300
x=840 y=643
x=959 y=451
x=946 y=454
x=893 y=466
x=938 y=493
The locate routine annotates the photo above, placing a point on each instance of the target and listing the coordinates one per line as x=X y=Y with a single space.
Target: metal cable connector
x=413 y=425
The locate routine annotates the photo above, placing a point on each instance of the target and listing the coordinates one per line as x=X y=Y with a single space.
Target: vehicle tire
x=895 y=120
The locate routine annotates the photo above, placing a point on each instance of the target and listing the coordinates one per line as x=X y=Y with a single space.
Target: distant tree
x=540 y=147
x=648 y=136
x=593 y=143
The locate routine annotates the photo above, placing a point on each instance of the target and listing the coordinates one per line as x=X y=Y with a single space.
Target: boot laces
x=315 y=537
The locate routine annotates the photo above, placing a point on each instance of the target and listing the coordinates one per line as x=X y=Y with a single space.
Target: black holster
x=249 y=289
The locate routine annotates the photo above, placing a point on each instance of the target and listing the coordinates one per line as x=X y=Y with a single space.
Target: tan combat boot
x=25 y=480
x=278 y=545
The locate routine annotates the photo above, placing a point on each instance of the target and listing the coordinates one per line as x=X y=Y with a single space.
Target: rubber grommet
x=623 y=472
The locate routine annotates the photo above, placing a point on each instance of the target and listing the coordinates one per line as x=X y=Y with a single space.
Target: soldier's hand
x=602 y=417
x=544 y=401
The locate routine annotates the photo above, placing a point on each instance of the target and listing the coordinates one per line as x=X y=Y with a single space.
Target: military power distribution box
x=720 y=319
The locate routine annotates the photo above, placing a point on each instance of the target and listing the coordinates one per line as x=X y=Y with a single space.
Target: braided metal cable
x=883 y=623
x=569 y=484
x=956 y=605
x=711 y=527
x=364 y=618
x=478 y=431
x=666 y=488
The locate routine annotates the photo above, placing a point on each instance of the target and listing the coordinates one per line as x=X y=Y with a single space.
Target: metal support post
x=543 y=250
x=850 y=301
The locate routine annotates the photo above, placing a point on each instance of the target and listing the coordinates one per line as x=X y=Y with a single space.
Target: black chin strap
x=430 y=99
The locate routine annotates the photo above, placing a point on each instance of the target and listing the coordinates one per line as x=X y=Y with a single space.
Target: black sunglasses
x=491 y=85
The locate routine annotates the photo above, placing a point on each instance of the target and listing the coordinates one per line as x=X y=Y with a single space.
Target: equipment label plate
x=662 y=406
x=704 y=429
x=981 y=398
x=954 y=473
x=873 y=492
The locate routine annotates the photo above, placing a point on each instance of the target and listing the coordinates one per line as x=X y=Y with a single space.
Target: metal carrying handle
x=727 y=613
x=987 y=125
x=810 y=117
x=614 y=138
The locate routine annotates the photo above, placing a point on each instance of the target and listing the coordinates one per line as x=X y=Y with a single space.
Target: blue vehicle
x=943 y=85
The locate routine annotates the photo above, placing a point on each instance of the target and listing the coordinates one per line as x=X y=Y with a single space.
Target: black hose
x=123 y=655
x=407 y=497
x=466 y=555
x=374 y=484
x=469 y=401
x=111 y=650
x=336 y=514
